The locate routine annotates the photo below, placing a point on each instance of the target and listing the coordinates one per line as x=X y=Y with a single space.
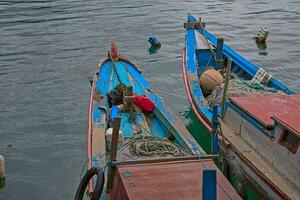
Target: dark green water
x=49 y=48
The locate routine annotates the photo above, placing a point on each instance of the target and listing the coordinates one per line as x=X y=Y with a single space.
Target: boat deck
x=264 y=169
x=263 y=108
x=292 y=123
x=168 y=181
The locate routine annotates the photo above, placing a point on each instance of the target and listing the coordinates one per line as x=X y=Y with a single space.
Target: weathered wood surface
x=169 y=181
x=262 y=108
x=262 y=167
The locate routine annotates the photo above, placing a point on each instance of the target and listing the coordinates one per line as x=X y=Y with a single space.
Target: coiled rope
x=151 y=146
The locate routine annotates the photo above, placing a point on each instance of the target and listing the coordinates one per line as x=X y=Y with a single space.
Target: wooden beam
x=226 y=84
x=128 y=99
x=113 y=153
x=163 y=160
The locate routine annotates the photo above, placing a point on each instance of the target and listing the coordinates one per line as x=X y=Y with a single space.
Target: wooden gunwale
x=164 y=160
x=199 y=115
x=90 y=126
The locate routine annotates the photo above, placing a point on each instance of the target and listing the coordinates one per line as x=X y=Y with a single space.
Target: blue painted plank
x=126 y=126
x=123 y=74
x=139 y=78
x=190 y=51
x=97 y=115
x=209 y=184
x=114 y=79
x=137 y=89
x=104 y=78
x=157 y=128
x=205 y=60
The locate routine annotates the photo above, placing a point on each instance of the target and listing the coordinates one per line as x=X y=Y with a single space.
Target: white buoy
x=2 y=172
x=262 y=35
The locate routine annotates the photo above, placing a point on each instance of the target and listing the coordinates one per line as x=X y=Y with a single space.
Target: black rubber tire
x=99 y=185
x=85 y=180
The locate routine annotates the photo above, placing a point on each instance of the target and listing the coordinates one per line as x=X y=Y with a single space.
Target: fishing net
x=140 y=146
x=237 y=88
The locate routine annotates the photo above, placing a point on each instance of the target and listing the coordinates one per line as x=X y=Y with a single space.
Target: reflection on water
x=262 y=46
x=153 y=49
x=2 y=183
x=48 y=48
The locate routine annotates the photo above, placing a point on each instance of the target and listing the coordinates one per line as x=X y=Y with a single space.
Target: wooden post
x=219 y=51
x=226 y=84
x=113 y=153
x=128 y=99
x=209 y=184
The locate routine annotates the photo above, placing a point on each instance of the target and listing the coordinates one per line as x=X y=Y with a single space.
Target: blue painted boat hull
x=162 y=123
x=192 y=64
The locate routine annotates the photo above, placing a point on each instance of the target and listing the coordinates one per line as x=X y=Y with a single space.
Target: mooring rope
x=209 y=46
x=84 y=166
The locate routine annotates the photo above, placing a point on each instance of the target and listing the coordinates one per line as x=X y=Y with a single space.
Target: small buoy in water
x=154 y=42
x=262 y=35
x=209 y=80
x=2 y=172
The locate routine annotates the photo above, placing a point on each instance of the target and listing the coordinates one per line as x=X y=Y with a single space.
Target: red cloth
x=144 y=103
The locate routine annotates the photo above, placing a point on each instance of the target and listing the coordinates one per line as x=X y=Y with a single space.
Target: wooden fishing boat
x=137 y=147
x=258 y=116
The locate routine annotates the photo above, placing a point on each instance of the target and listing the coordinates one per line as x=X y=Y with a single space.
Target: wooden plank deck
x=168 y=181
x=263 y=167
x=292 y=123
x=262 y=108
